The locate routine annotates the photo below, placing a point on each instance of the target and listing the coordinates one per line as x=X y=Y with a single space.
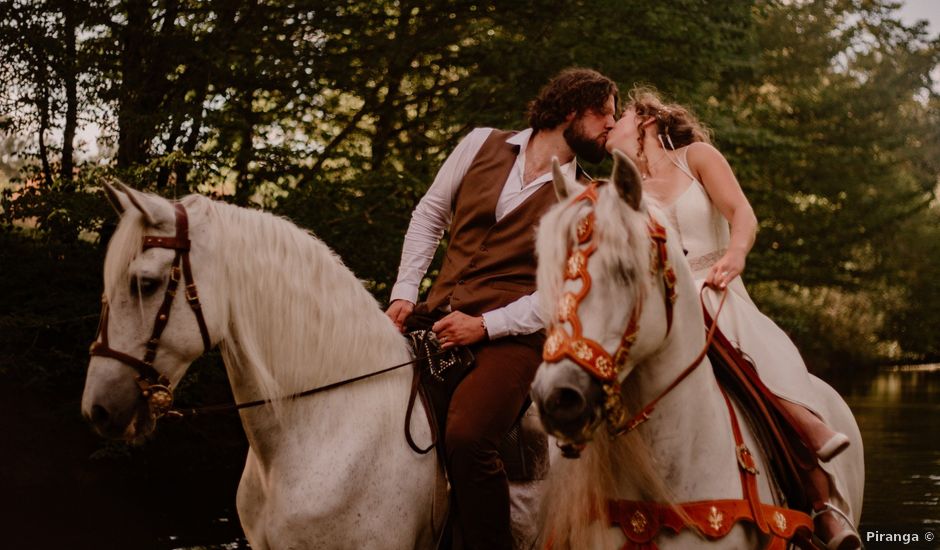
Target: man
x=490 y=193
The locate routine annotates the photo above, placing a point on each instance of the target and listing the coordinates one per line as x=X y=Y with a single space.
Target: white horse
x=331 y=470
x=685 y=451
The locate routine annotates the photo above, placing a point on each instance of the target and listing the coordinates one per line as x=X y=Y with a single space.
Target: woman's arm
x=712 y=169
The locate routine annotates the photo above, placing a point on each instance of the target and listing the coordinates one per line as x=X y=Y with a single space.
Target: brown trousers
x=482 y=409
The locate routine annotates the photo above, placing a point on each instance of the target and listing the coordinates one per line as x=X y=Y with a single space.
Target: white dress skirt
x=705 y=235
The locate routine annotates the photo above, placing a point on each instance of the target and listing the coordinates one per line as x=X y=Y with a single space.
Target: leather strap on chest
x=641 y=522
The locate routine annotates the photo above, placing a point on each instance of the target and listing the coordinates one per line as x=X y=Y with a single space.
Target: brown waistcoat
x=489 y=264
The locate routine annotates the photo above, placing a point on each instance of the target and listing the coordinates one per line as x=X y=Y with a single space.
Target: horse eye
x=145 y=286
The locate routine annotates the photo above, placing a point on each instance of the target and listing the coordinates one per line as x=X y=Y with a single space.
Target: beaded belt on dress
x=705 y=261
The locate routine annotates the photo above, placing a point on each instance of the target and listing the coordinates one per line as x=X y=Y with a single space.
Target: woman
x=693 y=184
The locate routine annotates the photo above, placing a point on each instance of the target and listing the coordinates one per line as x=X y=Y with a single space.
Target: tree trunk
x=42 y=104
x=71 y=96
x=189 y=147
x=246 y=151
x=134 y=119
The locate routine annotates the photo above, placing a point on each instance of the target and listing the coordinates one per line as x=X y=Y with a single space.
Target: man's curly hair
x=573 y=90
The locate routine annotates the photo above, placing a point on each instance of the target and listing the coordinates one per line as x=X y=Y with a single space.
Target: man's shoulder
x=484 y=132
x=485 y=137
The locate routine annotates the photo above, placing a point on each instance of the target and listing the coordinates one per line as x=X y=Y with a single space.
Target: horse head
x=607 y=290
x=148 y=336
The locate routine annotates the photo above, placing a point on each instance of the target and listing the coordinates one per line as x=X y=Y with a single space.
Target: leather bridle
x=154 y=386
x=588 y=353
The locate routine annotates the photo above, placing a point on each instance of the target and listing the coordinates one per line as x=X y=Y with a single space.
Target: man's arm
x=519 y=317
x=430 y=218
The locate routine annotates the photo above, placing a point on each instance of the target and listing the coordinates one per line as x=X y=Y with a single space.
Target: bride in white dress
x=693 y=185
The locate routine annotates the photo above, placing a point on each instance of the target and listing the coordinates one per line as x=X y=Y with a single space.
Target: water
x=898 y=411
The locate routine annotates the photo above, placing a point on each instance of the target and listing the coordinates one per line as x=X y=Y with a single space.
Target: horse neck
x=689 y=426
x=298 y=319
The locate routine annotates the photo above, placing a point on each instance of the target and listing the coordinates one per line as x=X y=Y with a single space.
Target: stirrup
x=846 y=539
x=832 y=448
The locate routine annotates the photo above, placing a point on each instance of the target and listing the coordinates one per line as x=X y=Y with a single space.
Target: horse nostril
x=565 y=403
x=99 y=415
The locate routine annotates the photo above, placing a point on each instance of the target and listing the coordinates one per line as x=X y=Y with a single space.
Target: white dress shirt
x=433 y=215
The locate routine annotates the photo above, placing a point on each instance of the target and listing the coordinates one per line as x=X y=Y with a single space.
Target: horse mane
x=577 y=490
x=296 y=316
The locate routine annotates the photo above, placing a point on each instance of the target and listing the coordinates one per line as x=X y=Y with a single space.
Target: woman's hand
x=459 y=329
x=726 y=269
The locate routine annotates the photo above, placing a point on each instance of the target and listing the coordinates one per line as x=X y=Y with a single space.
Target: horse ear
x=116 y=198
x=563 y=186
x=627 y=180
x=154 y=209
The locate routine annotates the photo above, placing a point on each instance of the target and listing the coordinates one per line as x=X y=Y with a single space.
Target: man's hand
x=459 y=329
x=398 y=311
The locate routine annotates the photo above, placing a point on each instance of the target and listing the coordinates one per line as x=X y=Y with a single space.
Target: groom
x=489 y=194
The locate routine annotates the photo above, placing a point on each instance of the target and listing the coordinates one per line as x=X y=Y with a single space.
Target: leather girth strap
x=641 y=522
x=785 y=440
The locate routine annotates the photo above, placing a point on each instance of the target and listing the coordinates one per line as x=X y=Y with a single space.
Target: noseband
x=588 y=353
x=155 y=387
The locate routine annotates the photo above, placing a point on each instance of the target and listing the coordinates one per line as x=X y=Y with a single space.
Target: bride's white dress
x=705 y=235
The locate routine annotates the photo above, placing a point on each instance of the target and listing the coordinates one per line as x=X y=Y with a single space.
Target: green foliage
x=49 y=310
x=338 y=115
x=914 y=265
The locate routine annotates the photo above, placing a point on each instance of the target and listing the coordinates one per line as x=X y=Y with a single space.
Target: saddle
x=438 y=372
x=786 y=444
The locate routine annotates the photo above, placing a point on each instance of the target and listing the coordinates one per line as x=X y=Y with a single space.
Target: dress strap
x=680 y=160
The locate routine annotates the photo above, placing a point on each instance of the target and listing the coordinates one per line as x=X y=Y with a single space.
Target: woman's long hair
x=676 y=125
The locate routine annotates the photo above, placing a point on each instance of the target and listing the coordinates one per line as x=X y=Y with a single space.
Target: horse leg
x=249 y=501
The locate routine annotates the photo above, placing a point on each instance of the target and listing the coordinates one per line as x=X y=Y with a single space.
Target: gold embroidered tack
x=581 y=351
x=638 y=522
x=553 y=343
x=780 y=520
x=715 y=518
x=584 y=228
x=567 y=307
x=604 y=366
x=575 y=263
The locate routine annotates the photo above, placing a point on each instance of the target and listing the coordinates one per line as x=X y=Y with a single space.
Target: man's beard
x=591 y=150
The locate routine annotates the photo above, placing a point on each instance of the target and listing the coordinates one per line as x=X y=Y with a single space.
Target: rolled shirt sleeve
x=432 y=216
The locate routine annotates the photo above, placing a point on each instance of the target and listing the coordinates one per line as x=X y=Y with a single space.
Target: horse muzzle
x=112 y=404
x=569 y=402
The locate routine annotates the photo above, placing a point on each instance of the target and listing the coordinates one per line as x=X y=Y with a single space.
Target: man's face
x=587 y=134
